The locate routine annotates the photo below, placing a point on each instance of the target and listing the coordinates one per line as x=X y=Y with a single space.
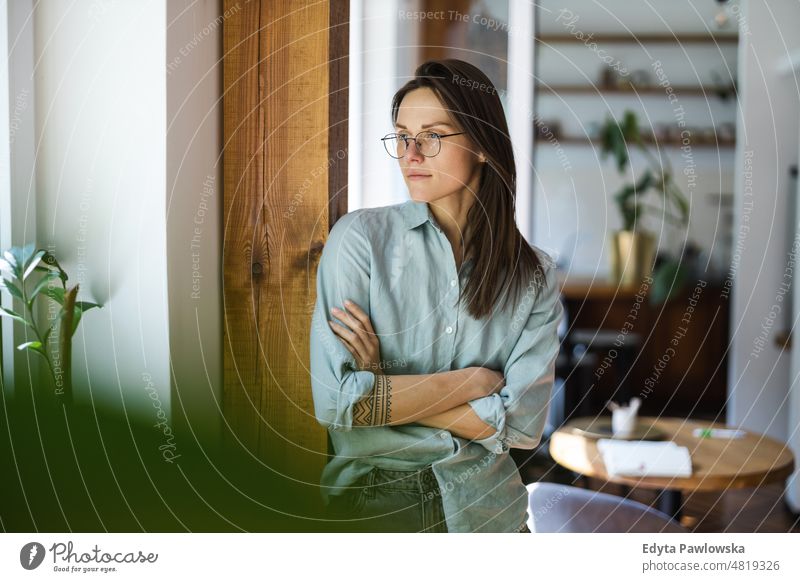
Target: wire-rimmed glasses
x=428 y=143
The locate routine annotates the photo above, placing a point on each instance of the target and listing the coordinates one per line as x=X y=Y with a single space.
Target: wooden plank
x=243 y=162
x=285 y=170
x=338 y=100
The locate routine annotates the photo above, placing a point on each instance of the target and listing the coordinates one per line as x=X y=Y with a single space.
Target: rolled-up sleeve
x=343 y=273
x=518 y=413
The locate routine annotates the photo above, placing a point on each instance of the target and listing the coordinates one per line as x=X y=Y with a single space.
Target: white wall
x=768 y=128
x=129 y=169
x=17 y=211
x=101 y=174
x=194 y=210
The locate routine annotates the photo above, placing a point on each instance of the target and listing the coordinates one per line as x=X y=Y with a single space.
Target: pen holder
x=623 y=422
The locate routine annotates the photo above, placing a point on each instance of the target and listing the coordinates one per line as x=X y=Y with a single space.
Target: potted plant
x=29 y=274
x=633 y=248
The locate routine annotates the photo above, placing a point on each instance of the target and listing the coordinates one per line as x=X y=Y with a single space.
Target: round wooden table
x=717 y=463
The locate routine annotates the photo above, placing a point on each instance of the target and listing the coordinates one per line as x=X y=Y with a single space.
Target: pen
x=724 y=433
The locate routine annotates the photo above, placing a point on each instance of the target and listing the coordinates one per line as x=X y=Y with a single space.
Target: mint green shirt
x=397 y=264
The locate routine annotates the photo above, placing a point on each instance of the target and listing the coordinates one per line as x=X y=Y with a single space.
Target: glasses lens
x=428 y=143
x=395 y=146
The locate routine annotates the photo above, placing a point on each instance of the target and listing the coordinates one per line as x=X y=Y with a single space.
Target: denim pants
x=386 y=500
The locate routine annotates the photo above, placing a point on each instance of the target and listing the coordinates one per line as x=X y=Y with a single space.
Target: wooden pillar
x=285 y=174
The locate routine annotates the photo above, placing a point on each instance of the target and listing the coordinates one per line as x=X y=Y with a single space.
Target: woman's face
x=457 y=164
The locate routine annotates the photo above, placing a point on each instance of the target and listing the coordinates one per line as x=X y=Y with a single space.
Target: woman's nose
x=412 y=152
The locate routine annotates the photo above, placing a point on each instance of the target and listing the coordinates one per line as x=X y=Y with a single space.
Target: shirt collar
x=415 y=213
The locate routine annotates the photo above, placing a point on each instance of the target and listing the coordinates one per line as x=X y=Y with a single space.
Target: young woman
x=434 y=334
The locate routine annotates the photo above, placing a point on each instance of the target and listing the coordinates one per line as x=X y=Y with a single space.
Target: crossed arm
x=461 y=421
x=346 y=394
x=437 y=400
x=376 y=408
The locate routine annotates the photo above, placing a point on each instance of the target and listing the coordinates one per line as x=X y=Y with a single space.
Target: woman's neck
x=451 y=215
x=451 y=211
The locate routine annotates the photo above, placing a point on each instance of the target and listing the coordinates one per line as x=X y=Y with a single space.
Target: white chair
x=556 y=508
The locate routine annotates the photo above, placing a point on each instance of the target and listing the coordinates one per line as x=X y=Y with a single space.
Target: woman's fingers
x=360 y=315
x=344 y=332
x=361 y=323
x=362 y=338
x=345 y=335
x=357 y=333
x=348 y=318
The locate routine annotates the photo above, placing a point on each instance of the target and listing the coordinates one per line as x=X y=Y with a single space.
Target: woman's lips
x=417 y=177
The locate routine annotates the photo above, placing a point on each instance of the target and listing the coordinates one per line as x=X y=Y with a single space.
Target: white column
x=194 y=212
x=17 y=177
x=521 y=16
x=373 y=177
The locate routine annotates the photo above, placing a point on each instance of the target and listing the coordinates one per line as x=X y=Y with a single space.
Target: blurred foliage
x=617 y=138
x=86 y=468
x=29 y=274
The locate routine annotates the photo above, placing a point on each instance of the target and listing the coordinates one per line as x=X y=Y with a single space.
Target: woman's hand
x=481 y=381
x=360 y=339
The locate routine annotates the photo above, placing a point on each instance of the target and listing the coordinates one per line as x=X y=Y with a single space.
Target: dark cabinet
x=672 y=355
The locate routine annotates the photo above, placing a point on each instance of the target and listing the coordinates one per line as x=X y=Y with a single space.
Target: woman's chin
x=419 y=194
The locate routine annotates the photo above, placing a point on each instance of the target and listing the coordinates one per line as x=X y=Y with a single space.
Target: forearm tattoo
x=375 y=409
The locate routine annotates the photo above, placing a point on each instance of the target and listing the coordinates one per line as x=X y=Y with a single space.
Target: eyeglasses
x=428 y=143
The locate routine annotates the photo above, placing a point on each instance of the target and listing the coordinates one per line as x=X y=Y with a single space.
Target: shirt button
x=442 y=435
x=449 y=329
x=453 y=283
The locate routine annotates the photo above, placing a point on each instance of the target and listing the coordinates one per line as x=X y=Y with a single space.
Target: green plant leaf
x=55 y=293
x=14 y=315
x=620 y=149
x=612 y=141
x=630 y=126
x=668 y=280
x=616 y=144
x=626 y=206
x=30 y=346
x=645 y=182
x=77 y=313
x=680 y=201
x=35 y=347
x=19 y=257
x=41 y=284
x=48 y=332
x=32 y=262
x=49 y=263
x=76 y=319
x=12 y=289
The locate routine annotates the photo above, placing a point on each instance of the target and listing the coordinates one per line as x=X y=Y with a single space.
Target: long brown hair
x=503 y=259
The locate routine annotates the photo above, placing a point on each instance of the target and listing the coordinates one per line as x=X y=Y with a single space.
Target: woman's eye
x=434 y=134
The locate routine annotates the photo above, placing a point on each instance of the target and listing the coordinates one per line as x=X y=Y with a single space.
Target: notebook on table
x=645 y=458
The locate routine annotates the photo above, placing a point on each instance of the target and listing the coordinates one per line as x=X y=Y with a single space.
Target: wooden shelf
x=583 y=141
x=640 y=38
x=598 y=90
